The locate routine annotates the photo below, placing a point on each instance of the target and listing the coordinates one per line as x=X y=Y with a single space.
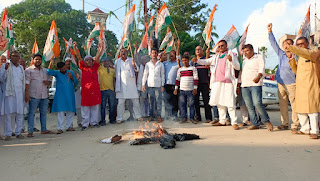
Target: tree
x=32 y=19
x=263 y=50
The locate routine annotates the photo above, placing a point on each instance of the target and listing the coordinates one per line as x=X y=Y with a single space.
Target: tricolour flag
x=305 y=28
x=163 y=19
x=35 y=48
x=128 y=25
x=120 y=46
x=170 y=45
x=4 y=32
x=103 y=42
x=242 y=41
x=94 y=33
x=150 y=28
x=52 y=47
x=232 y=37
x=143 y=48
x=207 y=30
x=167 y=39
x=70 y=53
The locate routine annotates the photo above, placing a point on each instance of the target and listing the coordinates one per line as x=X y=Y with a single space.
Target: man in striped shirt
x=187 y=79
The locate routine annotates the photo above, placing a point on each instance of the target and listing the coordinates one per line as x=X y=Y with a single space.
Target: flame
x=149 y=130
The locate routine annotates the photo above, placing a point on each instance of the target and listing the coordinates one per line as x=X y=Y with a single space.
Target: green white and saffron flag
x=207 y=30
x=170 y=45
x=167 y=39
x=232 y=38
x=120 y=46
x=94 y=33
x=240 y=44
x=163 y=20
x=305 y=29
x=150 y=28
x=52 y=47
x=4 y=33
x=143 y=48
x=128 y=25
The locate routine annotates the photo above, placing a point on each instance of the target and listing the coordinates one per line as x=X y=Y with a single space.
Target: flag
x=35 y=48
x=232 y=37
x=4 y=32
x=52 y=47
x=242 y=41
x=167 y=39
x=94 y=33
x=143 y=48
x=207 y=30
x=170 y=45
x=305 y=29
x=240 y=44
x=103 y=41
x=128 y=25
x=150 y=28
x=163 y=19
x=70 y=51
x=119 y=48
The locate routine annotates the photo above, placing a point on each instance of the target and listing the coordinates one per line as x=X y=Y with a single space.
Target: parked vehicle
x=269 y=93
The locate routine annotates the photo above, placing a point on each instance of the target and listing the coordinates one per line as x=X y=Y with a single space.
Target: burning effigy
x=157 y=134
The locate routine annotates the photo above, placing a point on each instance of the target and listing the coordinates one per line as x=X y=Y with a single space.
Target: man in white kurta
x=223 y=83
x=126 y=87
x=14 y=96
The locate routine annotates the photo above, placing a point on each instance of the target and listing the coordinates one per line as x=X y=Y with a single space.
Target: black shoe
x=102 y=123
x=96 y=126
x=35 y=130
x=113 y=122
x=84 y=128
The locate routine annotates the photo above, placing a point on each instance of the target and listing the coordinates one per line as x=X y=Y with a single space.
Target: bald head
x=3 y=59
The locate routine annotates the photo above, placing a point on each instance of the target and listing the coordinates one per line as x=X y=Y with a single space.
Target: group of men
x=143 y=82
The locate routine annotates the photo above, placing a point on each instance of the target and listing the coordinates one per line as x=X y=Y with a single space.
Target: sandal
x=30 y=135
x=47 y=132
x=70 y=129
x=299 y=132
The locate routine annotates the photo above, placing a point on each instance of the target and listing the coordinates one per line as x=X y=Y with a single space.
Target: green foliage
x=32 y=19
x=263 y=50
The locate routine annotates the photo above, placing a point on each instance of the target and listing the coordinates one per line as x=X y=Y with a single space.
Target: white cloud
x=286 y=18
x=6 y=3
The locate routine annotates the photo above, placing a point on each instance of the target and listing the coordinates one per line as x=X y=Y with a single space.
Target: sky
x=286 y=16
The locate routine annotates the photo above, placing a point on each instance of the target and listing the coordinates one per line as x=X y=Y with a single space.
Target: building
x=98 y=16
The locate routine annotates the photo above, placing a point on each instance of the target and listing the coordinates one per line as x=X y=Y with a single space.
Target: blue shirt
x=284 y=74
x=171 y=69
x=64 y=99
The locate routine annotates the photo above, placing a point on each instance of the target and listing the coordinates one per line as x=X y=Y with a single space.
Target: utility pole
x=315 y=17
x=82 y=5
x=145 y=14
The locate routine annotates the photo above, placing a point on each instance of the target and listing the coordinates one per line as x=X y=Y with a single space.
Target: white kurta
x=128 y=86
x=223 y=94
x=14 y=104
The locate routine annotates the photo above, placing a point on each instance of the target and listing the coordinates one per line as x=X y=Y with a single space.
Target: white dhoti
x=222 y=94
x=18 y=122
x=121 y=108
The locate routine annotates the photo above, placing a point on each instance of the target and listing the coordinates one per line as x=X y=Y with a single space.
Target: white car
x=52 y=91
x=269 y=92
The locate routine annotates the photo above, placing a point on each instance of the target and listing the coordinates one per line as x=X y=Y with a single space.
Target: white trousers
x=223 y=113
x=121 y=108
x=89 y=115
x=307 y=127
x=244 y=114
x=69 y=119
x=18 y=122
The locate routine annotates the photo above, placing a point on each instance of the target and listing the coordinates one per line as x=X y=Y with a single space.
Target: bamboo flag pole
x=175 y=30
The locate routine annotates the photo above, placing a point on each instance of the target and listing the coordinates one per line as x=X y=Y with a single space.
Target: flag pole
x=175 y=30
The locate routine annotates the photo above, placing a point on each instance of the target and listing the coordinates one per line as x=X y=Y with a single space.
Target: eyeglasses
x=88 y=59
x=300 y=44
